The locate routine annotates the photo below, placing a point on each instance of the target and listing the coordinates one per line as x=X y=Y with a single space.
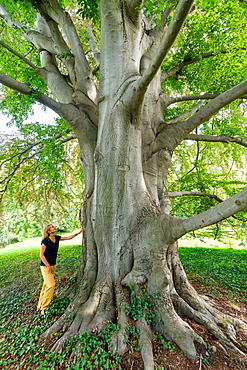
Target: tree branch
x=93 y=44
x=83 y=73
x=62 y=50
x=15 y=168
x=25 y=60
x=221 y=211
x=176 y=99
x=6 y=17
x=217 y=139
x=186 y=62
x=54 y=79
x=29 y=147
x=50 y=72
x=165 y=16
x=171 y=135
x=183 y=116
x=57 y=84
x=24 y=89
x=166 y=43
x=178 y=131
x=213 y=107
x=174 y=194
x=40 y=41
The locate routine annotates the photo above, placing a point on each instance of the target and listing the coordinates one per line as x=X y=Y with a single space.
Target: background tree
x=41 y=180
x=163 y=71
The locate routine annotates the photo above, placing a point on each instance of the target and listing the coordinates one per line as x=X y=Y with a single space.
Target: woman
x=48 y=256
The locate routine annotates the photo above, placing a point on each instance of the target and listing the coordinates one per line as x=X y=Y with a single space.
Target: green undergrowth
x=21 y=325
x=217 y=268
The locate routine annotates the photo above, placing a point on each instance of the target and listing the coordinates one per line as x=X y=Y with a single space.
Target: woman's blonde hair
x=46 y=231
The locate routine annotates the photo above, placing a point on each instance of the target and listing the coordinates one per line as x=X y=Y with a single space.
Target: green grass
x=225 y=268
x=21 y=325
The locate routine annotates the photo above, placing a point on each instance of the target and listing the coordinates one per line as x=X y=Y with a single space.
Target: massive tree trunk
x=130 y=240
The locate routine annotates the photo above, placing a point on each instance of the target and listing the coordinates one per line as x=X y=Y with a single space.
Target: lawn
x=217 y=267
x=217 y=270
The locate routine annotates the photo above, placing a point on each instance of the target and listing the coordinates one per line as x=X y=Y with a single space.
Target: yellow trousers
x=48 y=288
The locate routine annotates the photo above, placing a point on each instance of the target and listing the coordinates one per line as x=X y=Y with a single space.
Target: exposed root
x=167 y=321
x=190 y=304
x=61 y=324
x=98 y=310
x=181 y=333
x=210 y=322
x=226 y=318
x=118 y=341
x=71 y=332
x=145 y=340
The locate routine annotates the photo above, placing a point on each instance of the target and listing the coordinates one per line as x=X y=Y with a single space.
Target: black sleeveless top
x=51 y=250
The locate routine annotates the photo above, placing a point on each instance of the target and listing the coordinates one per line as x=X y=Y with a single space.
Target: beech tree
x=157 y=75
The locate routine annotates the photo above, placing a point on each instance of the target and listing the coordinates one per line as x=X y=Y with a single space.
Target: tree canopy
x=214 y=38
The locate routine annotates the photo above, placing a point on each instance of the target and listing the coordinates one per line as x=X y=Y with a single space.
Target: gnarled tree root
x=145 y=341
x=108 y=303
x=189 y=303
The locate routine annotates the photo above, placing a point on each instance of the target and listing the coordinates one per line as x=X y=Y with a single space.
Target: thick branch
x=178 y=131
x=23 y=89
x=82 y=69
x=50 y=73
x=213 y=107
x=40 y=41
x=176 y=99
x=54 y=79
x=62 y=49
x=166 y=43
x=174 y=194
x=216 y=214
x=217 y=139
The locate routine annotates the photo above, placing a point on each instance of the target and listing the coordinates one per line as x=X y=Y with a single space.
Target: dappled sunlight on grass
x=34 y=244
x=217 y=266
x=210 y=243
